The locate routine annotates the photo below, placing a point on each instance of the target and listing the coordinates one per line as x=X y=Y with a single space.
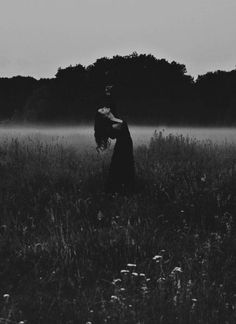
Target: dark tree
x=13 y=95
x=144 y=90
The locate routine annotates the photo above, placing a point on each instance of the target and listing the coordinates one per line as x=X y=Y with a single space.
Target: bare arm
x=117 y=126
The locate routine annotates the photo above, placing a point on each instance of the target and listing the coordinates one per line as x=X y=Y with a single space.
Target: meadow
x=72 y=254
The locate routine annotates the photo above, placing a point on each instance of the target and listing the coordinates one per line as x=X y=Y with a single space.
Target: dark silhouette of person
x=121 y=175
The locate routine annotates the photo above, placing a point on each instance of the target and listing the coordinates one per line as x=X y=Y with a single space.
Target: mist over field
x=82 y=136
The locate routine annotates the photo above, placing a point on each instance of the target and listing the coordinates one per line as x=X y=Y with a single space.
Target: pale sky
x=39 y=36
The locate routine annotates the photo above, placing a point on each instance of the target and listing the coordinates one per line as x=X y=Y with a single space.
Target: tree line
x=144 y=90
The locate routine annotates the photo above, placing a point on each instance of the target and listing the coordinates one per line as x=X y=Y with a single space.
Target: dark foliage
x=145 y=89
x=13 y=95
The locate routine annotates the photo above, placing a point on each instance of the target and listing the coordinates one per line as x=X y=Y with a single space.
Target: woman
x=121 y=172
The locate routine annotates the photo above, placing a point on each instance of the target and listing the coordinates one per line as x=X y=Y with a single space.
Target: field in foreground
x=72 y=254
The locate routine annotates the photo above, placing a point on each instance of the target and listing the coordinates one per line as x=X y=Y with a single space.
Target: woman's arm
x=117 y=126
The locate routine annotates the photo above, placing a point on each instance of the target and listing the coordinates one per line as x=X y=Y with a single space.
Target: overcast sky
x=38 y=36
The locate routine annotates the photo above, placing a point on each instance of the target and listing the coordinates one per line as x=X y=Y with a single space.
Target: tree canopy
x=144 y=89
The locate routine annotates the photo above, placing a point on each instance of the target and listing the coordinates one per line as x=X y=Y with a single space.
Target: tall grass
x=72 y=254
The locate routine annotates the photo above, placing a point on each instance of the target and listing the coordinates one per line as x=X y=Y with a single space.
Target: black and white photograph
x=117 y=161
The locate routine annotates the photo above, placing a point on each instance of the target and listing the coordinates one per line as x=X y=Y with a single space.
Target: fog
x=82 y=137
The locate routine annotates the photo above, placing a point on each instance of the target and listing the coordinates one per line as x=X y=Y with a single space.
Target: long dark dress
x=122 y=172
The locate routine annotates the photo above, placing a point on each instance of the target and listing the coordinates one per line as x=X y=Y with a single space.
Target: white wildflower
x=6 y=297
x=157 y=257
x=124 y=271
x=113 y=298
x=115 y=281
x=176 y=270
x=135 y=274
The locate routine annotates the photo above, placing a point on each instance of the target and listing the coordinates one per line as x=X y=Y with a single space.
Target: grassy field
x=72 y=254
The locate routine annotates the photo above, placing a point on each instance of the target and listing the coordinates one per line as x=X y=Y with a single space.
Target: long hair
x=102 y=128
